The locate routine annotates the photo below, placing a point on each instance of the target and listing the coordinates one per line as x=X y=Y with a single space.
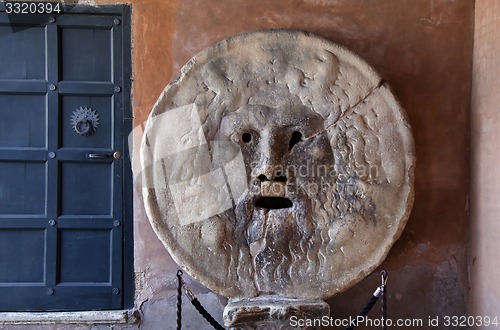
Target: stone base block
x=272 y=313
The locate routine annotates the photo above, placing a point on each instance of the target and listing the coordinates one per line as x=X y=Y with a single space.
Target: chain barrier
x=179 y=299
x=380 y=292
x=192 y=298
x=383 y=305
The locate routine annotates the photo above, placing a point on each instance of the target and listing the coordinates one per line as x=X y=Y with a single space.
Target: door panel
x=22 y=188
x=23 y=121
x=62 y=112
x=23 y=250
x=22 y=53
x=86 y=54
x=85 y=249
x=86 y=189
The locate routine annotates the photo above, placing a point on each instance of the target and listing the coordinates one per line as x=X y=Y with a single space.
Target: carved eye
x=296 y=138
x=246 y=137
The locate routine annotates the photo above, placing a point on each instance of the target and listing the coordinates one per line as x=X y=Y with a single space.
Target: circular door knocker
x=84 y=121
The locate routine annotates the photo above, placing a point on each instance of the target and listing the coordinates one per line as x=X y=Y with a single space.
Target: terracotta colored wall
x=485 y=157
x=423 y=49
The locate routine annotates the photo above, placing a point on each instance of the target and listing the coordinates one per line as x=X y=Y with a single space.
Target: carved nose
x=265 y=172
x=270 y=172
x=272 y=185
x=270 y=163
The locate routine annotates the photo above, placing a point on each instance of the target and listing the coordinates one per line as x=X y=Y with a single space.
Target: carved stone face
x=287 y=155
x=277 y=164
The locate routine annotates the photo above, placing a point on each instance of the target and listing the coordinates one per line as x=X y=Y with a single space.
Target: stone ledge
x=90 y=317
x=267 y=312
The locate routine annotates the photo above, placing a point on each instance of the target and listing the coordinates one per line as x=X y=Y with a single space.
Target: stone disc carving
x=278 y=164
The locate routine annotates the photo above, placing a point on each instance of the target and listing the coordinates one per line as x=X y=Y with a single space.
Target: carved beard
x=270 y=234
x=290 y=243
x=278 y=241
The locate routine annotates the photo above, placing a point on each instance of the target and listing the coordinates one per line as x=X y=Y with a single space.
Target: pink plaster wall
x=485 y=162
x=424 y=50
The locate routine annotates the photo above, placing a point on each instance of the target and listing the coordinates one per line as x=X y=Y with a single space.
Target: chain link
x=179 y=299
x=383 y=305
x=194 y=301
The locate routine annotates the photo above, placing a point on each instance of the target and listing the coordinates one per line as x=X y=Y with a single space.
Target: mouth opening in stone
x=273 y=203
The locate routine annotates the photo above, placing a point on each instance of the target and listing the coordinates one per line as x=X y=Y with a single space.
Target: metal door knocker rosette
x=84 y=121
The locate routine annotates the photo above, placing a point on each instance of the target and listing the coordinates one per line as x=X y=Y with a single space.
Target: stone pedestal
x=273 y=313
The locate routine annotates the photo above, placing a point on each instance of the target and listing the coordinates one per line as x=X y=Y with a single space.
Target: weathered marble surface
x=286 y=119
x=271 y=313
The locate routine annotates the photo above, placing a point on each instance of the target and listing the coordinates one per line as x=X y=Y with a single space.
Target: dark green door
x=63 y=122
